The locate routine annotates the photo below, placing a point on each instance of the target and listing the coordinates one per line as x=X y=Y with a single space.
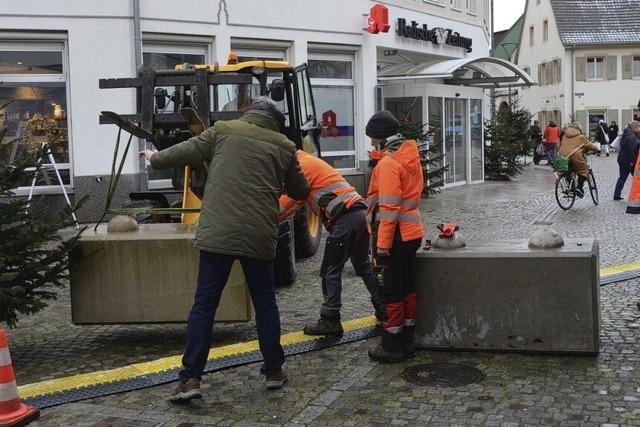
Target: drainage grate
x=543 y=223
x=442 y=374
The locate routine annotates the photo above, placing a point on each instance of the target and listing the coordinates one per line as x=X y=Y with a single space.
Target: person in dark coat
x=613 y=131
x=629 y=146
x=251 y=162
x=602 y=137
x=535 y=133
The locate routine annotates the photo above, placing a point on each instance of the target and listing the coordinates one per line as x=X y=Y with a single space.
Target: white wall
x=616 y=94
x=548 y=97
x=100 y=45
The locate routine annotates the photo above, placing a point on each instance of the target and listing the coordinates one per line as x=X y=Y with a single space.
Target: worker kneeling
x=574 y=145
x=394 y=194
x=343 y=212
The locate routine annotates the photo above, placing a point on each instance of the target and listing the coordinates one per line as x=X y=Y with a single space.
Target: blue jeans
x=213 y=273
x=625 y=171
x=552 y=152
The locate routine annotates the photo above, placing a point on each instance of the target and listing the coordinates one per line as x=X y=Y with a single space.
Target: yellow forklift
x=148 y=275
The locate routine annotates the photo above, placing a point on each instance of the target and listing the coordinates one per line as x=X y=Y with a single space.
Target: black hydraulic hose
x=115 y=175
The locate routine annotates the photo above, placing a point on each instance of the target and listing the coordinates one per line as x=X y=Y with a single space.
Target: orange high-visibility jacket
x=330 y=192
x=394 y=194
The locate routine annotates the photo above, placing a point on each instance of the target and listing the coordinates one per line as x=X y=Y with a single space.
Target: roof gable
x=508 y=42
x=597 y=22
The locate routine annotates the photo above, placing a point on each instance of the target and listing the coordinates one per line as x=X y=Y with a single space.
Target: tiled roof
x=597 y=22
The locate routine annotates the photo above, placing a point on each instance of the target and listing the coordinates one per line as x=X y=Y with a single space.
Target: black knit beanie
x=269 y=107
x=382 y=125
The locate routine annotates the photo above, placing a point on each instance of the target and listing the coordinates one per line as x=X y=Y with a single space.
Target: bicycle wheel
x=565 y=196
x=593 y=188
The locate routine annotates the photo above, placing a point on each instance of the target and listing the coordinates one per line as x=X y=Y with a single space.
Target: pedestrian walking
x=343 y=212
x=536 y=133
x=629 y=146
x=551 y=139
x=250 y=163
x=397 y=230
x=613 y=132
x=602 y=137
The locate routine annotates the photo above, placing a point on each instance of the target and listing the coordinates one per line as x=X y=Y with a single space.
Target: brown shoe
x=185 y=391
x=277 y=380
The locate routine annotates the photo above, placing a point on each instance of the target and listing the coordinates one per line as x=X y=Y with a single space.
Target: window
x=472 y=6
x=554 y=72
x=595 y=68
x=456 y=4
x=636 y=66
x=531 y=36
x=542 y=77
x=34 y=77
x=545 y=30
x=332 y=80
x=165 y=57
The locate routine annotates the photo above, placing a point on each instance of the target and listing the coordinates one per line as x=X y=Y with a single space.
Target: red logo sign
x=378 y=19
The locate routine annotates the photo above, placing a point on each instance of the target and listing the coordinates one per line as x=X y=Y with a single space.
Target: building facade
x=585 y=57
x=51 y=61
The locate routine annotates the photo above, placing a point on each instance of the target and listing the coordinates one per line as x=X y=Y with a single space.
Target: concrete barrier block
x=147 y=276
x=502 y=295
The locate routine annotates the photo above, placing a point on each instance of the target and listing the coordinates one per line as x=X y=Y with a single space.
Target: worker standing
x=394 y=194
x=343 y=212
x=250 y=161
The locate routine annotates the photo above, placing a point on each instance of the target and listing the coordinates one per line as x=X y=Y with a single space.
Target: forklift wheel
x=308 y=232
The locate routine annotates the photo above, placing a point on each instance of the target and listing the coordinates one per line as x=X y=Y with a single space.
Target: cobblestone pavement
x=340 y=386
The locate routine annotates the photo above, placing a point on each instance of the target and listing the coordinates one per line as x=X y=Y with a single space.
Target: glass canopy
x=485 y=72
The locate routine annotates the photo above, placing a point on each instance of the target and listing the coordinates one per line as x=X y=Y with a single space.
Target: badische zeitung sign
x=436 y=35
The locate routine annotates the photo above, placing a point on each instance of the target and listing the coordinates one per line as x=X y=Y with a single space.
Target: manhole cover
x=442 y=374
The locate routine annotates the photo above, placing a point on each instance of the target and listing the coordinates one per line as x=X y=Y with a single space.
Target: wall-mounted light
x=57 y=111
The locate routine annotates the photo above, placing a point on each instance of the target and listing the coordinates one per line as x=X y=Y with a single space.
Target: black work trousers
x=396 y=289
x=348 y=240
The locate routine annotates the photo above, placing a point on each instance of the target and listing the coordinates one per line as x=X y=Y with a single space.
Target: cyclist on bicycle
x=575 y=145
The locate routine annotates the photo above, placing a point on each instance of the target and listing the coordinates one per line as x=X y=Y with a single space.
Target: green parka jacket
x=250 y=164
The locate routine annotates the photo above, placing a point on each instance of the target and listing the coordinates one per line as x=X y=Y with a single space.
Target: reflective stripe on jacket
x=330 y=193
x=394 y=194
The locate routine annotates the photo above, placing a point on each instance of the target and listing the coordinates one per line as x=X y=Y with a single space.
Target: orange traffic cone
x=12 y=411
x=633 y=206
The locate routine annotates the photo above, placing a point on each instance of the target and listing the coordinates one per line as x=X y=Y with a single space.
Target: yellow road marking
x=172 y=362
x=622 y=268
x=165 y=363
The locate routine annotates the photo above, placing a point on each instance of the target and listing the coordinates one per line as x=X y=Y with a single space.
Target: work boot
x=325 y=326
x=277 y=380
x=187 y=390
x=390 y=350
x=409 y=345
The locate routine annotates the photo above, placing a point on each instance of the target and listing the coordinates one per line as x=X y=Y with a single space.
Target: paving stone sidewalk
x=340 y=386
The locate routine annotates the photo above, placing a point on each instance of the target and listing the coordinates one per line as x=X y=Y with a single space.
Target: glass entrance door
x=455 y=141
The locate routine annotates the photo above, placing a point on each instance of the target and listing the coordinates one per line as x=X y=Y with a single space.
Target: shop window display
x=333 y=93
x=35 y=89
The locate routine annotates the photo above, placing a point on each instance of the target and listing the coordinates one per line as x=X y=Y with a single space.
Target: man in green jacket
x=250 y=161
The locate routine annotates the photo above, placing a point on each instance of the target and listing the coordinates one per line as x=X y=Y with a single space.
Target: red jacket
x=551 y=135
